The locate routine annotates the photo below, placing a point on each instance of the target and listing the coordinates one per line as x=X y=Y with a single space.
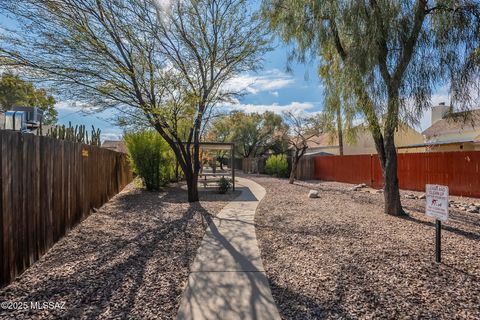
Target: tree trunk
x=340 y=129
x=391 y=192
x=221 y=162
x=192 y=186
x=177 y=171
x=185 y=159
x=293 y=172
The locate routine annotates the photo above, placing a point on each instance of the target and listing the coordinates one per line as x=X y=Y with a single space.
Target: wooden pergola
x=220 y=146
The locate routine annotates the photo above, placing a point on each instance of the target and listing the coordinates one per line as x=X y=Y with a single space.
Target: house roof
x=216 y=145
x=115 y=145
x=323 y=140
x=438 y=143
x=455 y=123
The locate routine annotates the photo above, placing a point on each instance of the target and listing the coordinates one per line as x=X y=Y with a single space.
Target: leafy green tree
x=340 y=108
x=254 y=134
x=394 y=54
x=16 y=92
x=151 y=158
x=162 y=62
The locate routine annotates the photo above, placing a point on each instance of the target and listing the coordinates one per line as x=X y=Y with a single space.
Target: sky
x=272 y=88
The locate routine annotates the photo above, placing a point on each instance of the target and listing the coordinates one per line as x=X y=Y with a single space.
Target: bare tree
x=167 y=61
x=301 y=130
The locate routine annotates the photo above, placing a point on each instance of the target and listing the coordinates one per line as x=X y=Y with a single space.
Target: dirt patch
x=340 y=256
x=130 y=260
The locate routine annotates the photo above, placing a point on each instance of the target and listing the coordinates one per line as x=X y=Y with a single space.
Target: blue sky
x=272 y=89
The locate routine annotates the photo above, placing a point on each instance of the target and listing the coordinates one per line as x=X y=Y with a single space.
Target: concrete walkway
x=227 y=279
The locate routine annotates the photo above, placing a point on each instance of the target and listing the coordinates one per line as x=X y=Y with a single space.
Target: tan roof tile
x=457 y=122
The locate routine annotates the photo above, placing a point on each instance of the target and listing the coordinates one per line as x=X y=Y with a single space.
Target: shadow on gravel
x=463 y=233
x=129 y=260
x=126 y=275
x=294 y=305
x=337 y=304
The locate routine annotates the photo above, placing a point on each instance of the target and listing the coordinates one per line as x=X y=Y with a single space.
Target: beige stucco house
x=459 y=131
x=363 y=144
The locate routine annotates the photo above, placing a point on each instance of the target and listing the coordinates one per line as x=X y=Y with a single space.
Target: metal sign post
x=437 y=207
x=438 y=241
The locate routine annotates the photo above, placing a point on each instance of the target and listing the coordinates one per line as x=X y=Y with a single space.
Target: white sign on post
x=437 y=201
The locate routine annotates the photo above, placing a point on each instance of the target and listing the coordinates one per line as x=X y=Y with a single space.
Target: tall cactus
x=75 y=134
x=95 y=137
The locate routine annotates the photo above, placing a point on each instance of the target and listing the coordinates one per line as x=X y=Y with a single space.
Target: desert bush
x=277 y=165
x=223 y=185
x=151 y=158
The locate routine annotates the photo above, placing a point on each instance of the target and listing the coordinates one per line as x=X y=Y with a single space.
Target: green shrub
x=277 y=165
x=151 y=158
x=223 y=185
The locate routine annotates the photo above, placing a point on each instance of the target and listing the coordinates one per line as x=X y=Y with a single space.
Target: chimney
x=439 y=112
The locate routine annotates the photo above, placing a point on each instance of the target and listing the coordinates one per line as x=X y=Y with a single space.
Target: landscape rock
x=410 y=196
x=358 y=187
x=313 y=194
x=348 y=262
x=422 y=196
x=472 y=209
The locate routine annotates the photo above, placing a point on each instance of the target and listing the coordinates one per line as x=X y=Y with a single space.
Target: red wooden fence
x=460 y=171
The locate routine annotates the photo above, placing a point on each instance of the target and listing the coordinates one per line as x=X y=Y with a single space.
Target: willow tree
x=139 y=55
x=394 y=55
x=340 y=109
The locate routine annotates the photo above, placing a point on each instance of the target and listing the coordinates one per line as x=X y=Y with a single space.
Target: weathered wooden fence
x=47 y=186
x=254 y=165
x=460 y=171
x=305 y=168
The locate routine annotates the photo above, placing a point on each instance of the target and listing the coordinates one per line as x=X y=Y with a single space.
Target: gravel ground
x=130 y=260
x=340 y=257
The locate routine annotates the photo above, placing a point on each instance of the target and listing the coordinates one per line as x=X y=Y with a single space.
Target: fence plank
x=46 y=188
x=460 y=171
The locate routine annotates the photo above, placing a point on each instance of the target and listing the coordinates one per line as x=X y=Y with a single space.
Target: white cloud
x=164 y=4
x=260 y=108
x=274 y=93
x=111 y=135
x=70 y=105
x=271 y=80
